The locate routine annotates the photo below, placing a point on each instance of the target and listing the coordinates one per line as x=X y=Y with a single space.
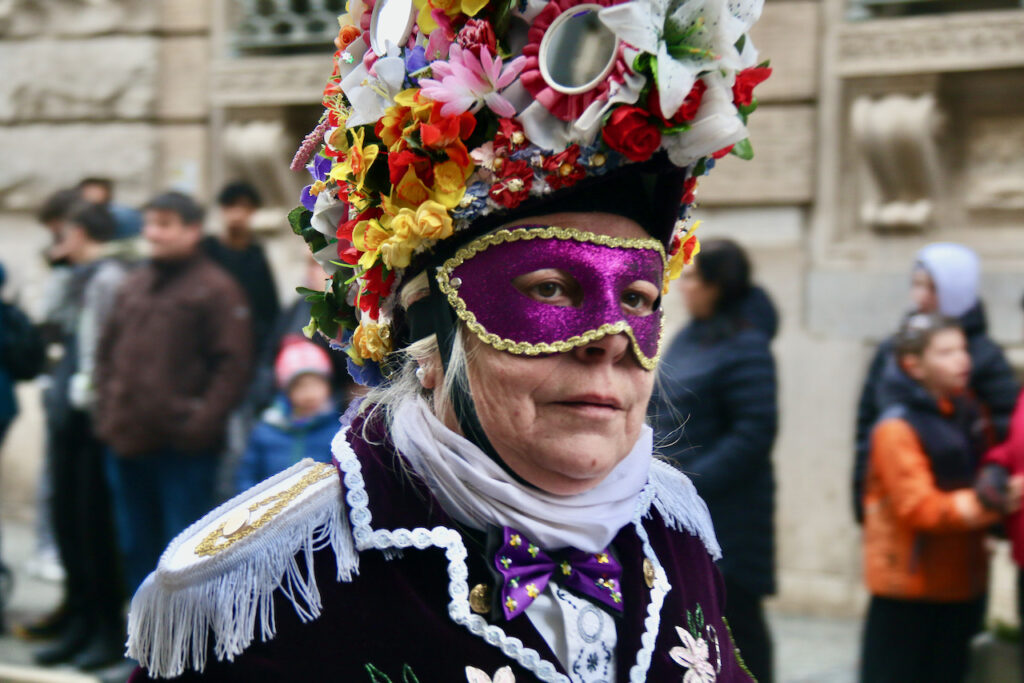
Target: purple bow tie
x=526 y=570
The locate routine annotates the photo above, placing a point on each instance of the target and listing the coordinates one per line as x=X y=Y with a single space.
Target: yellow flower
x=367 y=237
x=433 y=221
x=372 y=341
x=689 y=247
x=531 y=590
x=410 y=189
x=357 y=162
x=450 y=183
x=396 y=252
x=449 y=7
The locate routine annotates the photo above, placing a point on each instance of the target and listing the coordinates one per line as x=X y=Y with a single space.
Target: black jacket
x=992 y=383
x=715 y=415
x=251 y=271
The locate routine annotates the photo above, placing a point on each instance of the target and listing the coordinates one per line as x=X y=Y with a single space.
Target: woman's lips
x=592 y=405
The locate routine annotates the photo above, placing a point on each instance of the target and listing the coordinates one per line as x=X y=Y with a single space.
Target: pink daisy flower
x=467 y=82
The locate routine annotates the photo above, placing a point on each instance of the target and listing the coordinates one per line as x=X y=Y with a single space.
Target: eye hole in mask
x=534 y=290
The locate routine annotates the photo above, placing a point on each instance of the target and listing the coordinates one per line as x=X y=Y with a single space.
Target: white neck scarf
x=477 y=492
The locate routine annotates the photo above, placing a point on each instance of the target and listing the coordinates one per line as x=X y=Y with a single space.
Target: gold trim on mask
x=526 y=348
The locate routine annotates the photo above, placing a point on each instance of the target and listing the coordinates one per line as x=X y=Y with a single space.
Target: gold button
x=235 y=521
x=480 y=599
x=648 y=573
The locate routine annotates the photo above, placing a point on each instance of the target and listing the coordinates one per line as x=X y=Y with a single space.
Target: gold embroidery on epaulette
x=217 y=541
x=526 y=348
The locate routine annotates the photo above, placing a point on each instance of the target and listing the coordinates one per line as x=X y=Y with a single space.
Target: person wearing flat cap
x=501 y=194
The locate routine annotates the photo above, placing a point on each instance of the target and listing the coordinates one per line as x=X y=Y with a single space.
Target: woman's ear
x=430 y=372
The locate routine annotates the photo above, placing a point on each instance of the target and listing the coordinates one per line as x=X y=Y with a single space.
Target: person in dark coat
x=172 y=364
x=238 y=253
x=945 y=280
x=715 y=415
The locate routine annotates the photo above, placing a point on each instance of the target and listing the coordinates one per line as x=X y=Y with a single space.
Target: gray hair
x=403 y=384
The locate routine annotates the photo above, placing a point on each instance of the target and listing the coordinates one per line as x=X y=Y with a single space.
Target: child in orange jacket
x=925 y=561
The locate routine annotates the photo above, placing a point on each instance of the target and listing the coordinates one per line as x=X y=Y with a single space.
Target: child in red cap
x=302 y=420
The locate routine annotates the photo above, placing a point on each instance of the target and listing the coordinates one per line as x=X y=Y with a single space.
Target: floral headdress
x=441 y=112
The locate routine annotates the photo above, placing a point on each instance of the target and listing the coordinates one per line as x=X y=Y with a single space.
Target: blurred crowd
x=174 y=378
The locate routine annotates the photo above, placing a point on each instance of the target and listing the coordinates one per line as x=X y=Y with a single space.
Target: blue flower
x=473 y=202
x=598 y=159
x=368 y=374
x=318 y=168
x=415 y=61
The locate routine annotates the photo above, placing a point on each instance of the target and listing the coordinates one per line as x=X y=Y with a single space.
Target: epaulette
x=677 y=500
x=219 y=576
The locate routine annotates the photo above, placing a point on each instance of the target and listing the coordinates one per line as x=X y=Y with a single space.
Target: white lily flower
x=716 y=125
x=706 y=31
x=370 y=96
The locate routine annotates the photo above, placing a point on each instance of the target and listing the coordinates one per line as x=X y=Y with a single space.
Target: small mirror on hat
x=578 y=51
x=391 y=22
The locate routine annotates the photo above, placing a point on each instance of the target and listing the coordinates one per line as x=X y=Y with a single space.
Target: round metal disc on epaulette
x=480 y=598
x=235 y=521
x=648 y=573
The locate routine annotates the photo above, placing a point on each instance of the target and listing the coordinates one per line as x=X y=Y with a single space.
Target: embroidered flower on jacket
x=694 y=656
x=502 y=675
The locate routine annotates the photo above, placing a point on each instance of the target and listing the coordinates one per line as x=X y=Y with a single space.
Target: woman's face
x=698 y=295
x=562 y=421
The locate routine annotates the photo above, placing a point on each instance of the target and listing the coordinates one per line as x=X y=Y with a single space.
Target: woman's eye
x=639 y=301
x=550 y=286
x=548 y=290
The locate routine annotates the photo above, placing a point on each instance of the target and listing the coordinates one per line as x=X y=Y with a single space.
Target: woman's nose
x=608 y=349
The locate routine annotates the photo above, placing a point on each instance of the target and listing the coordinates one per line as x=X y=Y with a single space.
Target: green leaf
x=748 y=109
x=743 y=149
x=376 y=675
x=741 y=42
x=305 y=291
x=408 y=676
x=299 y=218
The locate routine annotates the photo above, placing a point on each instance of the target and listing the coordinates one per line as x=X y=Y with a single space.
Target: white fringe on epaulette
x=678 y=502
x=173 y=614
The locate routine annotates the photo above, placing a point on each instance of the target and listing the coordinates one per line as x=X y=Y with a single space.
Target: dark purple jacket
x=397 y=612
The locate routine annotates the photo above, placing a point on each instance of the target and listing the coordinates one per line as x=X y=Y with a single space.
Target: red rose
x=515 y=183
x=630 y=131
x=746 y=81
x=477 y=33
x=686 y=111
x=564 y=168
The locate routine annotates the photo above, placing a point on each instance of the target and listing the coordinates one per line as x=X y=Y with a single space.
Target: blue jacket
x=278 y=441
x=715 y=416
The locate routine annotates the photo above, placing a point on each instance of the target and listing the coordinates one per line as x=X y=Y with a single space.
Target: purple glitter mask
x=534 y=289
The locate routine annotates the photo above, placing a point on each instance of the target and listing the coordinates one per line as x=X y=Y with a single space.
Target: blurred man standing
x=80 y=503
x=237 y=252
x=172 y=364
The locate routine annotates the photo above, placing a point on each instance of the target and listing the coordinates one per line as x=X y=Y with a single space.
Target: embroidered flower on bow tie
x=515 y=541
x=533 y=550
x=602 y=558
x=502 y=675
x=531 y=590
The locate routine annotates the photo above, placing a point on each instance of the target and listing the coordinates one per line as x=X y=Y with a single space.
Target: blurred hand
x=1013 y=494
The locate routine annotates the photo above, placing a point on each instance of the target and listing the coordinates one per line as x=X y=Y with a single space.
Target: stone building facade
x=887 y=124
